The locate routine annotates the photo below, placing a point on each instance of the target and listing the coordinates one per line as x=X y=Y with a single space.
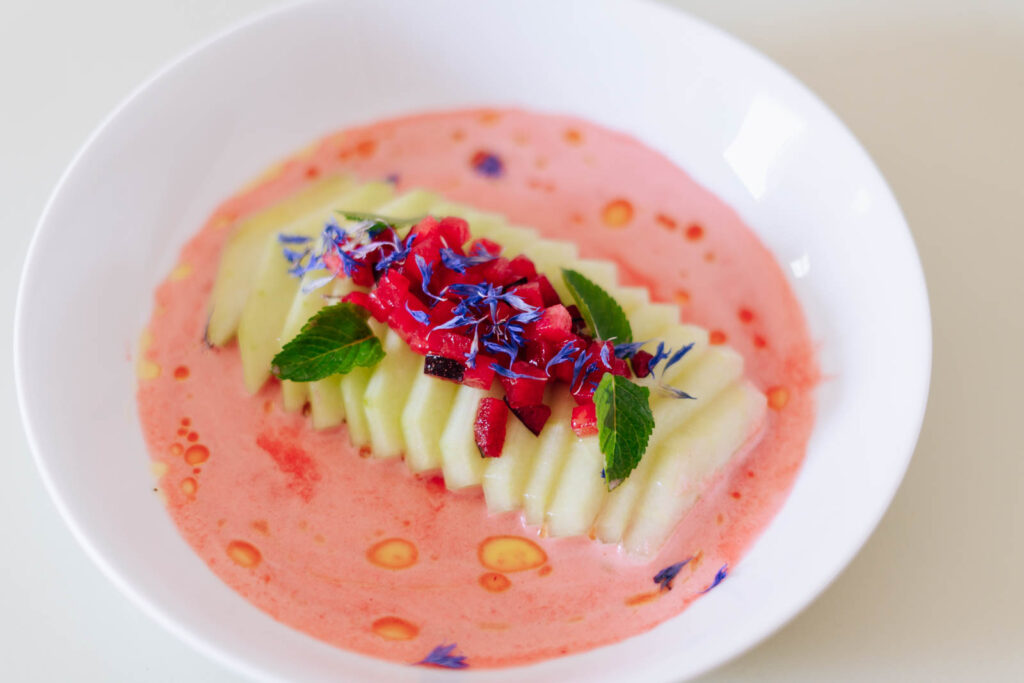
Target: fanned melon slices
x=393 y=409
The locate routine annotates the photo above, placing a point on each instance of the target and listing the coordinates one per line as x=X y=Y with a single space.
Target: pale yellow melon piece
x=274 y=289
x=235 y=274
x=386 y=393
x=461 y=462
x=632 y=299
x=423 y=420
x=353 y=389
x=579 y=491
x=505 y=477
x=549 y=458
x=685 y=462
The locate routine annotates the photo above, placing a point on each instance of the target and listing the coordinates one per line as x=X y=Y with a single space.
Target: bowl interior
x=199 y=129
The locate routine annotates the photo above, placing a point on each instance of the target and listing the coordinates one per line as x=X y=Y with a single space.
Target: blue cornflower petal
x=666 y=576
x=659 y=355
x=627 y=350
x=418 y=316
x=672 y=391
x=293 y=239
x=442 y=656
x=459 y=264
x=511 y=374
x=606 y=356
x=719 y=577
x=676 y=357
x=316 y=284
x=563 y=354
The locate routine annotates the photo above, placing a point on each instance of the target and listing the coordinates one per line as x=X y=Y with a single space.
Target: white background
x=934 y=90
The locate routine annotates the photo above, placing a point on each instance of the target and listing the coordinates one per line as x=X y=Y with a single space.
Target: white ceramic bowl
x=198 y=129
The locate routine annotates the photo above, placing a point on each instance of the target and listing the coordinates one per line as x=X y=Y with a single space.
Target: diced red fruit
x=533 y=417
x=497 y=271
x=584 y=393
x=481 y=375
x=547 y=292
x=455 y=231
x=449 y=344
x=555 y=325
x=412 y=331
x=521 y=266
x=641 y=363
x=489 y=427
x=584 y=420
x=620 y=367
x=392 y=290
x=359 y=298
x=524 y=390
x=537 y=352
x=530 y=294
x=482 y=244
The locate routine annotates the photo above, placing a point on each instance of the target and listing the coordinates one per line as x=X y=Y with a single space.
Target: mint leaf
x=624 y=425
x=388 y=220
x=603 y=314
x=332 y=342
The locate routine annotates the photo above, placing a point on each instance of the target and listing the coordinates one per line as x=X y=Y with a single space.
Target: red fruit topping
x=455 y=231
x=445 y=368
x=547 y=291
x=489 y=428
x=530 y=294
x=554 y=325
x=522 y=267
x=525 y=389
x=584 y=420
x=484 y=245
x=534 y=417
x=359 y=299
x=641 y=363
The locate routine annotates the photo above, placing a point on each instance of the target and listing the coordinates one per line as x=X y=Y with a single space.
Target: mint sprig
x=332 y=342
x=603 y=314
x=624 y=425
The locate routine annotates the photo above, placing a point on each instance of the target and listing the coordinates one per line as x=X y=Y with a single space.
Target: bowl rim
x=238 y=663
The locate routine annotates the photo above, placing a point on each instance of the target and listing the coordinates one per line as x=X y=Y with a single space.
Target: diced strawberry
x=620 y=367
x=554 y=325
x=530 y=294
x=525 y=389
x=521 y=266
x=483 y=245
x=449 y=344
x=392 y=290
x=481 y=376
x=584 y=393
x=537 y=352
x=425 y=228
x=584 y=420
x=547 y=292
x=533 y=417
x=359 y=298
x=497 y=271
x=455 y=231
x=408 y=328
x=489 y=427
x=641 y=363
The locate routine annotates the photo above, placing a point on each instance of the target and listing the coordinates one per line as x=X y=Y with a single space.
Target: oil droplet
x=682 y=297
x=760 y=342
x=366 y=148
x=147 y=369
x=778 y=397
x=716 y=337
x=312 y=173
x=193 y=437
x=745 y=315
x=244 y=554
x=181 y=373
x=176 y=449
x=196 y=454
x=185 y=422
x=573 y=136
x=393 y=553
x=617 y=213
x=694 y=232
x=189 y=486
x=666 y=221
x=494 y=582
x=545 y=570
x=511 y=554
x=181 y=271
x=261 y=526
x=393 y=628
x=489 y=118
x=182 y=431
x=641 y=599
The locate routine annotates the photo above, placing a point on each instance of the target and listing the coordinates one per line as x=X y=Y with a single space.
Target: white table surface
x=935 y=91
